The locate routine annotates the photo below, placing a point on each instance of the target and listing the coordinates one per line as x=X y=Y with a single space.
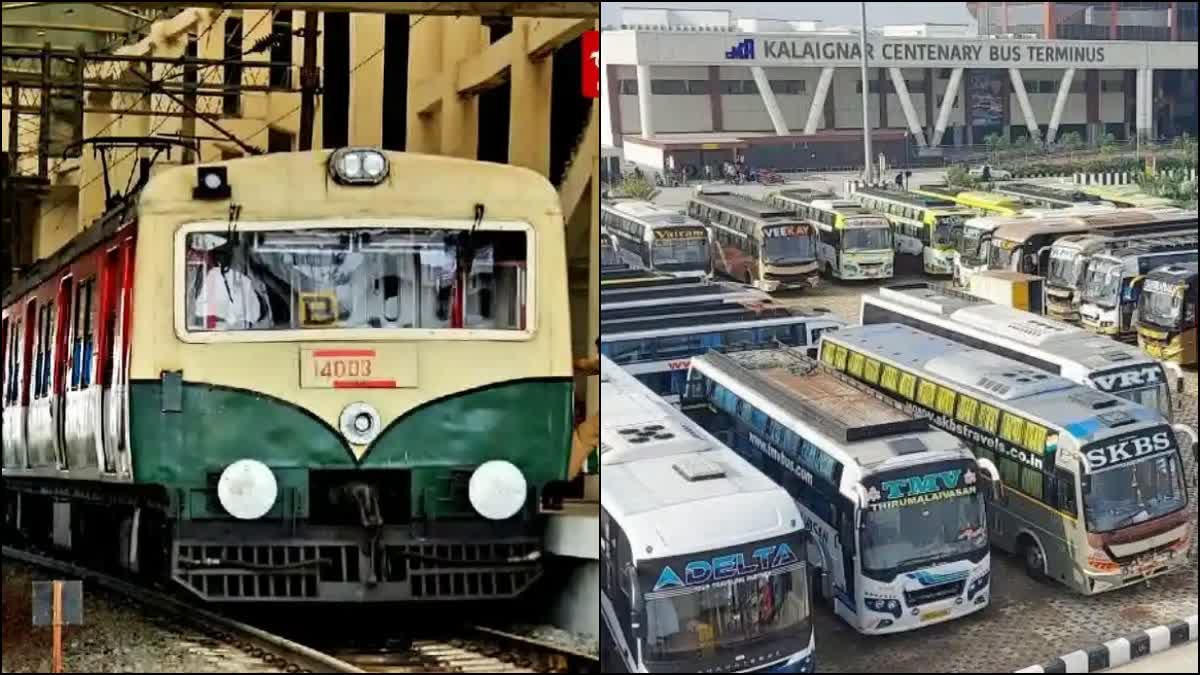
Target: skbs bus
x=726 y=592
x=766 y=247
x=1167 y=314
x=924 y=226
x=1093 y=492
x=895 y=507
x=655 y=238
x=1051 y=346
x=1114 y=281
x=853 y=243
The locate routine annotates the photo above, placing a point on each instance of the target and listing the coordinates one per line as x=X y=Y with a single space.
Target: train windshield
x=356 y=278
x=725 y=618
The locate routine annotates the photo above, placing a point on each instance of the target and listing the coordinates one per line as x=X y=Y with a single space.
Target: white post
x=910 y=113
x=1023 y=99
x=1060 y=102
x=1148 y=113
x=818 y=102
x=947 y=103
x=768 y=97
x=644 y=106
x=866 y=109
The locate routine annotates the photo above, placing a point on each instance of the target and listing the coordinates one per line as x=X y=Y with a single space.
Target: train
x=317 y=377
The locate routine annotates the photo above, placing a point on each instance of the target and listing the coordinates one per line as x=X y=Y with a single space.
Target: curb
x=1122 y=650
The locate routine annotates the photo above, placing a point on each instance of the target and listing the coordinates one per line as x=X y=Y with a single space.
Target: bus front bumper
x=1142 y=569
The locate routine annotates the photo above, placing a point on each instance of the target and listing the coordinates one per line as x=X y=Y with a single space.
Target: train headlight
x=247 y=489
x=357 y=166
x=359 y=423
x=497 y=489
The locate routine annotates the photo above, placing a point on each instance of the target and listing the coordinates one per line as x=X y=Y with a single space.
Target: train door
x=40 y=422
x=12 y=438
x=113 y=362
x=58 y=368
x=83 y=398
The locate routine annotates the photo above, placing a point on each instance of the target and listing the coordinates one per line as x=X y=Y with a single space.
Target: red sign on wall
x=591 y=64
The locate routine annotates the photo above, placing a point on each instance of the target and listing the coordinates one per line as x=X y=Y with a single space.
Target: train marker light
x=247 y=489
x=359 y=423
x=212 y=182
x=358 y=166
x=497 y=489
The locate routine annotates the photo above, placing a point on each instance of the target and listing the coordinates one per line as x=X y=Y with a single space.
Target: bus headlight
x=497 y=489
x=358 y=166
x=883 y=606
x=979 y=584
x=247 y=489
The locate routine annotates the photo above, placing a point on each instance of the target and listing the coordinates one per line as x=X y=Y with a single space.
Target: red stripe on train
x=327 y=353
x=364 y=384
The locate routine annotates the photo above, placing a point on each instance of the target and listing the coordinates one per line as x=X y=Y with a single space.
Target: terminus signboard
x=671 y=48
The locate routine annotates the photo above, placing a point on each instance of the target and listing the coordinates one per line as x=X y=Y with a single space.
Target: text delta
x=699 y=572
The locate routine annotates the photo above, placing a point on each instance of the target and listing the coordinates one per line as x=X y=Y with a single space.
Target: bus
x=656 y=238
x=1126 y=196
x=1024 y=246
x=924 y=226
x=723 y=593
x=1068 y=266
x=615 y=298
x=1048 y=196
x=1092 y=486
x=658 y=350
x=853 y=243
x=1049 y=345
x=1167 y=314
x=895 y=508
x=970 y=252
x=981 y=202
x=696 y=310
x=766 y=247
x=1114 y=280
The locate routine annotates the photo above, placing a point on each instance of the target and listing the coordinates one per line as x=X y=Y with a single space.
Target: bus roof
x=1149 y=246
x=1083 y=412
x=1175 y=273
x=659 y=467
x=1020 y=229
x=1065 y=193
x=690 y=325
x=905 y=197
x=650 y=214
x=635 y=281
x=743 y=204
x=692 y=320
x=826 y=201
x=691 y=308
x=679 y=291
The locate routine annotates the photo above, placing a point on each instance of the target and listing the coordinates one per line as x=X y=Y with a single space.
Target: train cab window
x=357 y=278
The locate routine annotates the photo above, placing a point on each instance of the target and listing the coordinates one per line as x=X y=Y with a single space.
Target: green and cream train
x=324 y=376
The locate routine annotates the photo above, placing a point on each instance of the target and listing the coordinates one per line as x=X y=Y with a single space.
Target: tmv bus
x=726 y=592
x=896 y=508
x=656 y=238
x=1114 y=281
x=853 y=243
x=658 y=350
x=1052 y=346
x=1167 y=314
x=765 y=247
x=924 y=226
x=1093 y=486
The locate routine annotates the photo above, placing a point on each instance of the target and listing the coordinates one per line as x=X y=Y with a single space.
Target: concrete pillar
x=1174 y=21
x=830 y=121
x=714 y=98
x=612 y=92
x=644 y=106
x=529 y=112
x=1092 y=92
x=366 y=85
x=1048 y=20
x=424 y=61
x=910 y=112
x=881 y=97
x=818 y=102
x=768 y=98
x=1112 y=20
x=1023 y=100
x=1139 y=124
x=947 y=103
x=929 y=96
x=1060 y=102
x=967 y=125
x=1151 y=95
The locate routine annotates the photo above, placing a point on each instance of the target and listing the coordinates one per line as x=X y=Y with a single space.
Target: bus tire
x=1035 y=562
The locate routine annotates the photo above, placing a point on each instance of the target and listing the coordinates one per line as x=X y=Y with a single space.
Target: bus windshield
x=1000 y=253
x=1132 y=492
x=1102 y=283
x=1161 y=305
x=1066 y=269
x=784 y=250
x=680 y=254
x=944 y=229
x=727 y=615
x=969 y=243
x=909 y=531
x=866 y=239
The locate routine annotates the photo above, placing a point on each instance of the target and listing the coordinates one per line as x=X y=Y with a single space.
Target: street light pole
x=862 y=43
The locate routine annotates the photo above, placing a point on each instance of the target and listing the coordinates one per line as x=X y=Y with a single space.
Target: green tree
x=1071 y=140
x=637 y=188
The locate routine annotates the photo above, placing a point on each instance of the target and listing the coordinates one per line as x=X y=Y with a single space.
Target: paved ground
x=1180 y=659
x=1027 y=622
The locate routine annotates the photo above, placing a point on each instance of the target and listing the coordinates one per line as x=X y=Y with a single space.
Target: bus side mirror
x=1176 y=374
x=995 y=485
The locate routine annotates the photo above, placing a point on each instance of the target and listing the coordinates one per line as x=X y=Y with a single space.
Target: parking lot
x=1027 y=622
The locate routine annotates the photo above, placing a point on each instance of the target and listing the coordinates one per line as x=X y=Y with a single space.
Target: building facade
x=1143 y=21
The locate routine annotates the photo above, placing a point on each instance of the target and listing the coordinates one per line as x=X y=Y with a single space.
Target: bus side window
x=1064 y=491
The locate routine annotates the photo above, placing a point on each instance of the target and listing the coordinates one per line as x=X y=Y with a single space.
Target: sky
x=832 y=13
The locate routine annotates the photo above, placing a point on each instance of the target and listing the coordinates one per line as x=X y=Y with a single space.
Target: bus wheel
x=1035 y=562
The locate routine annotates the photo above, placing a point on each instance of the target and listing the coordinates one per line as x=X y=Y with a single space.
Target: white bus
x=1114 y=281
x=656 y=238
x=924 y=226
x=1044 y=343
x=853 y=243
x=895 y=507
x=658 y=350
x=726 y=592
x=1093 y=492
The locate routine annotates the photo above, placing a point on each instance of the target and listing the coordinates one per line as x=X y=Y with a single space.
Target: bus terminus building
x=690 y=88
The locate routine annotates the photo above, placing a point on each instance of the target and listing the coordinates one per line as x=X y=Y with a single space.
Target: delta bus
x=727 y=592
x=924 y=226
x=1114 y=280
x=1093 y=493
x=853 y=243
x=655 y=238
x=1167 y=314
x=895 y=507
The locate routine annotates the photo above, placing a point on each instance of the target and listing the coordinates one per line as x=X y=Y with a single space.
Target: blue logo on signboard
x=743 y=50
x=727 y=566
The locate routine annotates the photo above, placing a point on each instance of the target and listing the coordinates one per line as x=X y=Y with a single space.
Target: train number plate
x=356 y=368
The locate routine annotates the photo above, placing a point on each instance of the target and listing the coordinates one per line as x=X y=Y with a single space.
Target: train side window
x=82 y=336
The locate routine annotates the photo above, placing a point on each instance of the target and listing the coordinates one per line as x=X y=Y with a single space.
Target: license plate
x=934 y=616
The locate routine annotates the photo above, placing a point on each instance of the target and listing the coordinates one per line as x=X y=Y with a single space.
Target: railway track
x=466 y=649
